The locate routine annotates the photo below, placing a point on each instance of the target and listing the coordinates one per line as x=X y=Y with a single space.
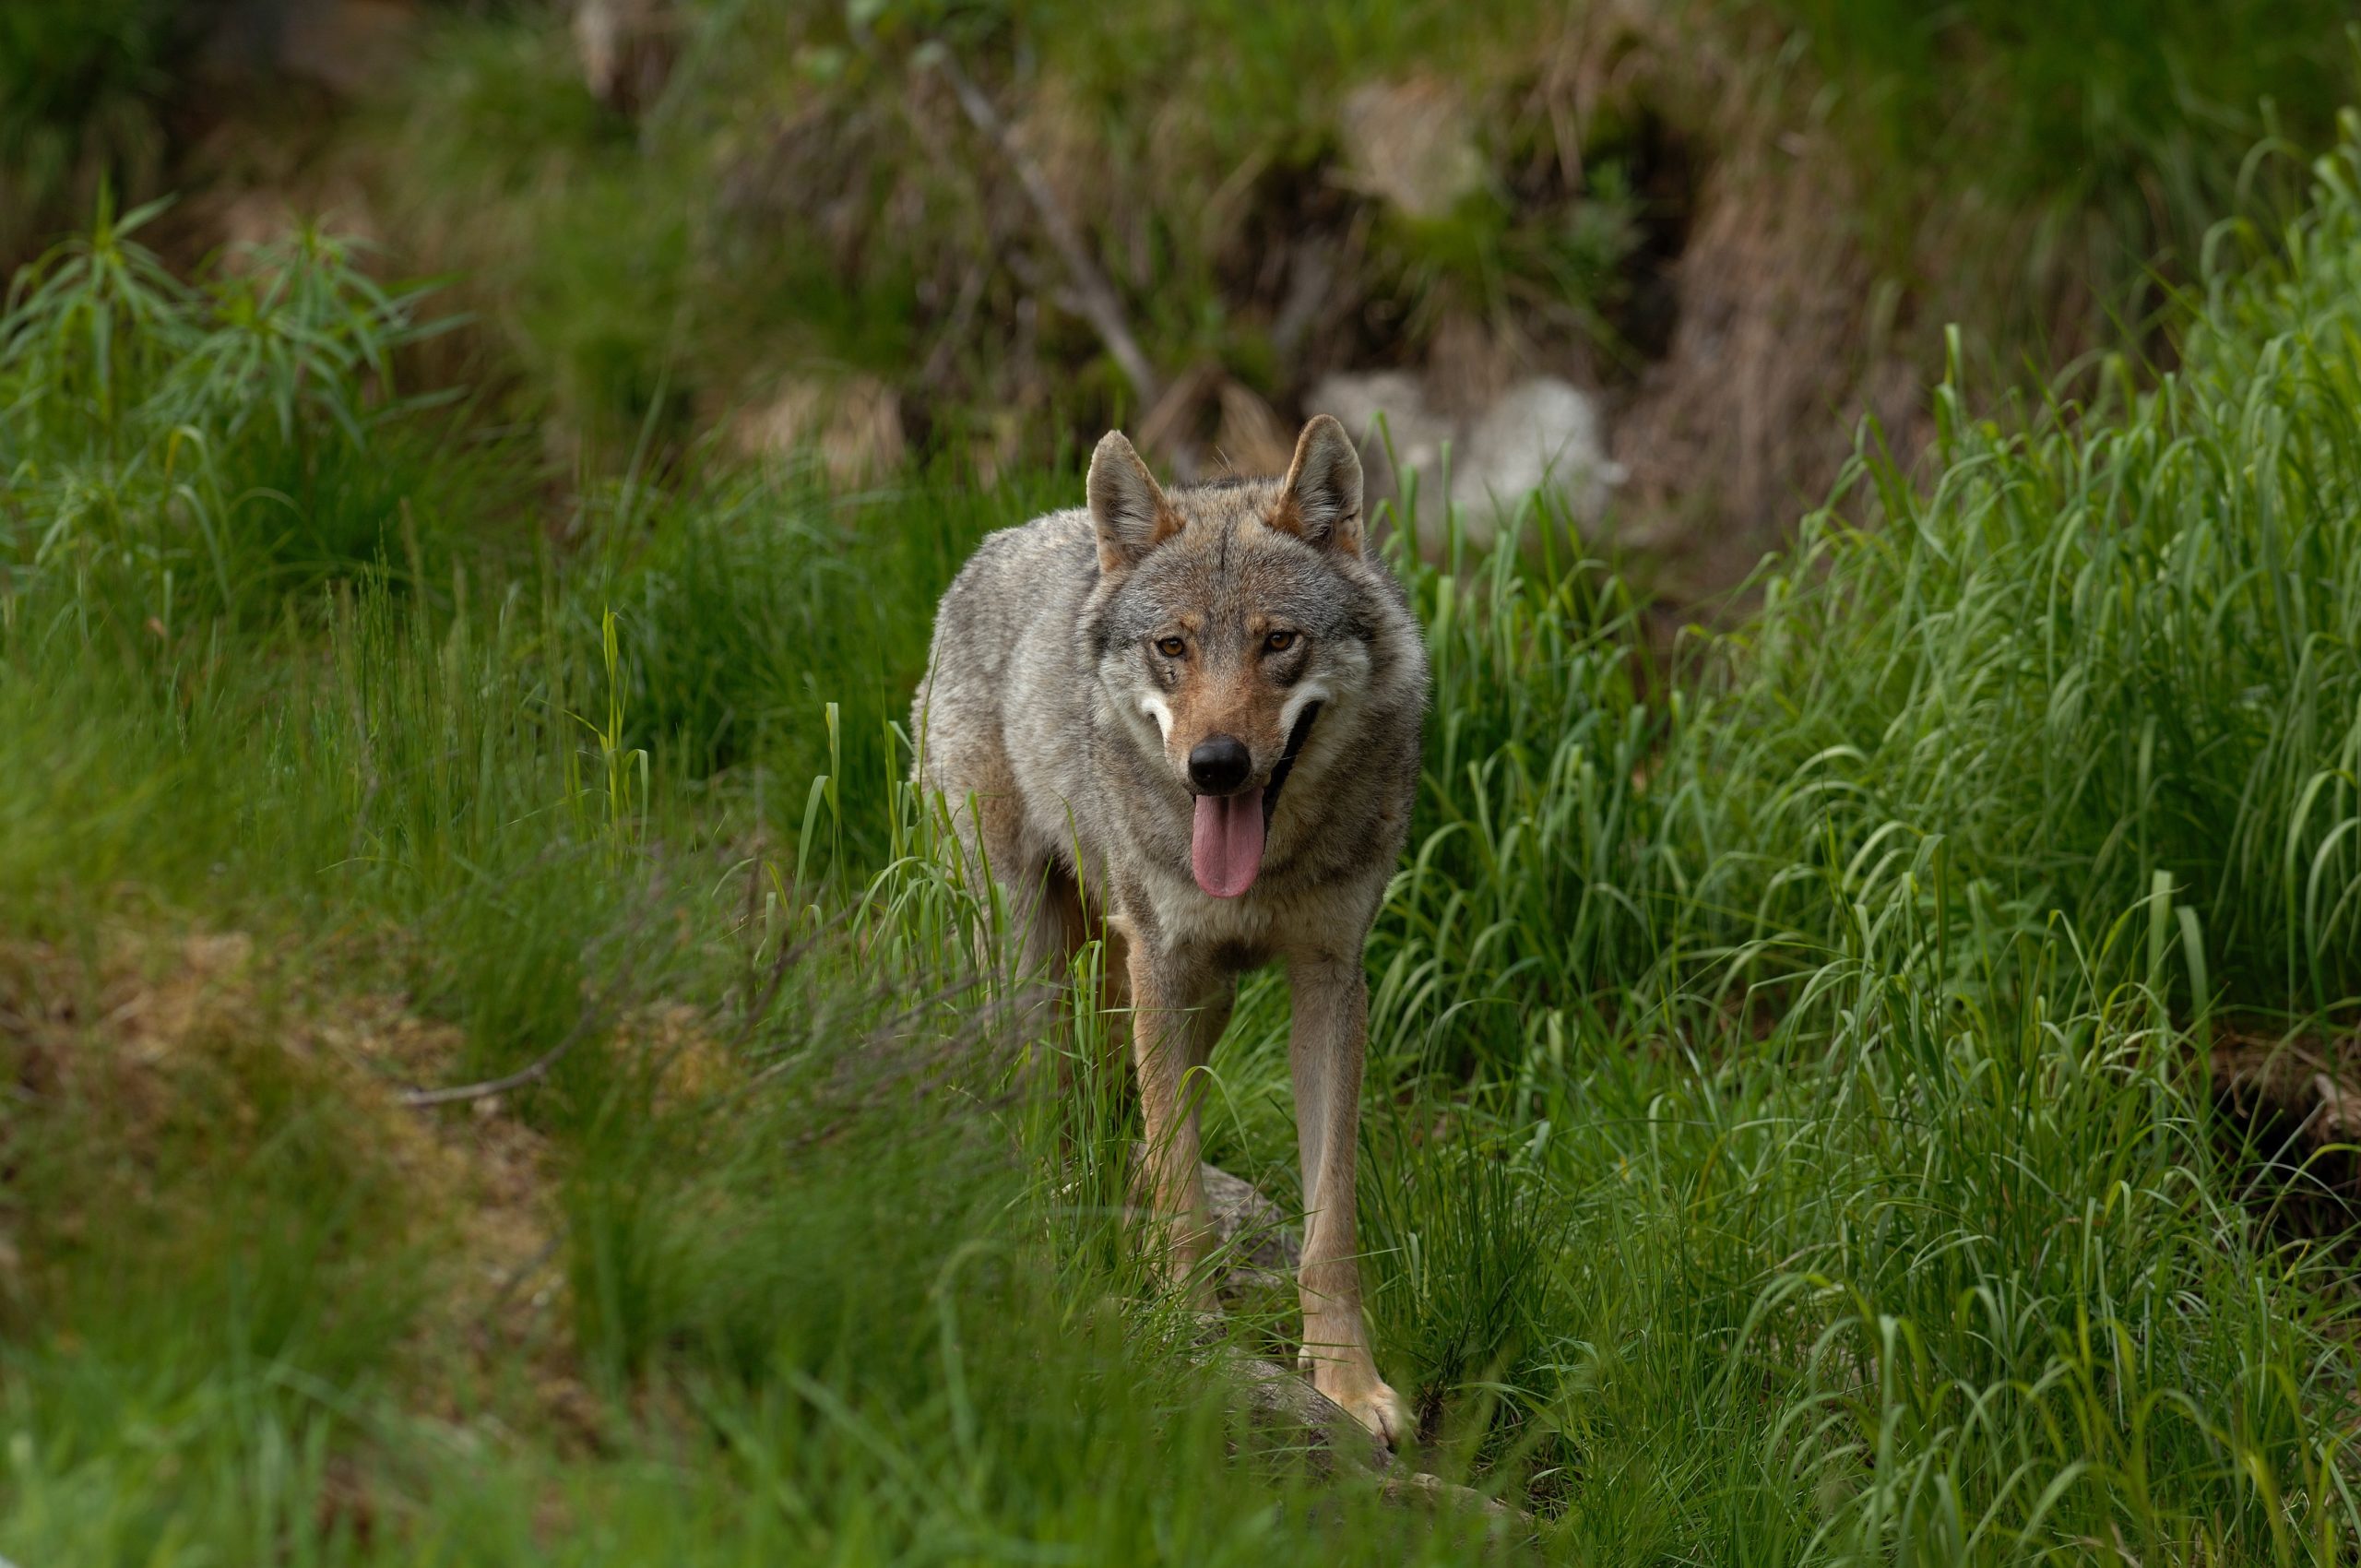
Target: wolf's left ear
x=1321 y=500
x=1130 y=513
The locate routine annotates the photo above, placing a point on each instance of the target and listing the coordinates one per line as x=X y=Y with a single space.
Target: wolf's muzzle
x=1226 y=831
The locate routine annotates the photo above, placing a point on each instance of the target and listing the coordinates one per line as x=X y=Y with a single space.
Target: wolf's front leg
x=1326 y=1045
x=1164 y=1035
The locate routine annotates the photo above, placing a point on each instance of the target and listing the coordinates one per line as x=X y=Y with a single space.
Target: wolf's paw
x=1381 y=1409
x=1369 y=1399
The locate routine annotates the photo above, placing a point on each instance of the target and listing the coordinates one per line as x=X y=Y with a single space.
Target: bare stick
x=533 y=1072
x=1093 y=294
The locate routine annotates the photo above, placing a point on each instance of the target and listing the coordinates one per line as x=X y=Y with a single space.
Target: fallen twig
x=1094 y=296
x=532 y=1072
x=540 y=1066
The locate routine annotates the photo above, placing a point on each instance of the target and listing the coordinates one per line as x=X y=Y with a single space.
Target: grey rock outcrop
x=1543 y=436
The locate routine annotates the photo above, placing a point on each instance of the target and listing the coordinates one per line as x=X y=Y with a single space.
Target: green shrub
x=190 y=450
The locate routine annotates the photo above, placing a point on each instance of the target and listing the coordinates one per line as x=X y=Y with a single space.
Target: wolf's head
x=1229 y=617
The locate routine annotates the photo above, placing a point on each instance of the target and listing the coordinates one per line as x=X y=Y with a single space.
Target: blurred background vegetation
x=1741 y=225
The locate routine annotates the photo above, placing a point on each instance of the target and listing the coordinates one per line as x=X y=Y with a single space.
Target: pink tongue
x=1226 y=843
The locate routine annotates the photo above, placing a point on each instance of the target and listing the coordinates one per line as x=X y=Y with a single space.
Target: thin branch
x=533 y=1072
x=1094 y=295
x=963 y=312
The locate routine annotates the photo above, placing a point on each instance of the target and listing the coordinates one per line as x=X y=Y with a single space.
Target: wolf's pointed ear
x=1321 y=503
x=1130 y=512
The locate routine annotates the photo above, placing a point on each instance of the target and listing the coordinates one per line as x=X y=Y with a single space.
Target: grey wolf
x=1191 y=719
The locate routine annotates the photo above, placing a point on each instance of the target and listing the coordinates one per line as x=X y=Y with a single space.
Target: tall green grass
x=2120 y=645
x=2107 y=649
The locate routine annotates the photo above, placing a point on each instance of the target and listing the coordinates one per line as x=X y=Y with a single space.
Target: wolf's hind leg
x=1047 y=928
x=1053 y=925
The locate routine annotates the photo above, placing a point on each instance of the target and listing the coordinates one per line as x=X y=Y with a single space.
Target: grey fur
x=1038 y=724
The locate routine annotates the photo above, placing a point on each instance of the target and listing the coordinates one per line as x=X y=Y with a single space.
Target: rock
x=1244 y=1215
x=853 y=426
x=1283 y=1409
x=1412 y=144
x=626 y=50
x=1265 y=1248
x=1414 y=434
x=1289 y=1413
x=1542 y=435
x=1415 y=1487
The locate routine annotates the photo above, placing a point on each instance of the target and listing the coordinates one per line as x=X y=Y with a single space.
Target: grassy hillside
x=1742 y=224
x=804 y=187
x=493 y=1076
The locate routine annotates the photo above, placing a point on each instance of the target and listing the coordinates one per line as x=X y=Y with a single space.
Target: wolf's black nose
x=1220 y=763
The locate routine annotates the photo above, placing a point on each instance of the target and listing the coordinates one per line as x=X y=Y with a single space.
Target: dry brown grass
x=172 y=1058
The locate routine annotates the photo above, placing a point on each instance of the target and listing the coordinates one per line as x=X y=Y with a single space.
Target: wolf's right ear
x=1319 y=501
x=1130 y=512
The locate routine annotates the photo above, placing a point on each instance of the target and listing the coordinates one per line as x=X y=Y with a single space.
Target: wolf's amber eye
x=1279 y=642
x=1171 y=648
